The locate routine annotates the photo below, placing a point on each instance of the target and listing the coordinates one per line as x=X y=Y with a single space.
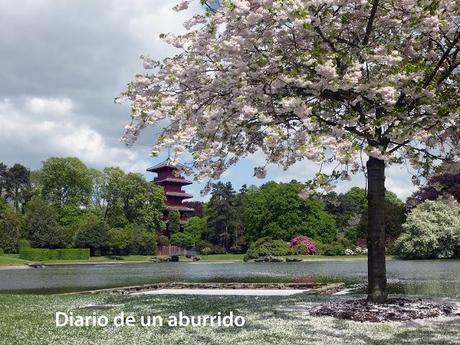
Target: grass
x=103 y=259
x=222 y=257
x=29 y=319
x=13 y=259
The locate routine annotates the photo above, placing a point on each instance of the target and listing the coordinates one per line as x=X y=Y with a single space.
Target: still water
x=422 y=277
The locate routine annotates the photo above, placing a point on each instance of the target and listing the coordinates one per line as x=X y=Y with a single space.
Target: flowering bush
x=305 y=242
x=432 y=230
x=357 y=251
x=360 y=250
x=349 y=252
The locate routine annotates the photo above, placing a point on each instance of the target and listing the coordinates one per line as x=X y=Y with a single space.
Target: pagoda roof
x=165 y=165
x=179 y=208
x=180 y=194
x=171 y=179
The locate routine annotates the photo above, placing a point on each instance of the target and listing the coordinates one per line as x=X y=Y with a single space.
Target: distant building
x=171 y=181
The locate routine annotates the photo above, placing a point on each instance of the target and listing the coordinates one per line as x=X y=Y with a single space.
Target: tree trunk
x=376 y=270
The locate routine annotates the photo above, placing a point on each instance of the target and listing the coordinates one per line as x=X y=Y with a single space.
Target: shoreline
x=14 y=267
x=304 y=259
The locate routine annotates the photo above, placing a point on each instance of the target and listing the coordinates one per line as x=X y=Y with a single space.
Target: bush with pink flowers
x=303 y=244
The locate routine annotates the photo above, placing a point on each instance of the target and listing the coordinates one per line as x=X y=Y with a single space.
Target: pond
x=422 y=277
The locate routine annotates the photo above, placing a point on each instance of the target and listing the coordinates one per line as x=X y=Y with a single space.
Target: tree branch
x=370 y=22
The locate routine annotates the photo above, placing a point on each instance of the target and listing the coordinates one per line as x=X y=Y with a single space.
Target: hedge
x=39 y=254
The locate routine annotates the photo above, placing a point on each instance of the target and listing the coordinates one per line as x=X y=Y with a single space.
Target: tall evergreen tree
x=3 y=172
x=17 y=186
x=222 y=215
x=42 y=225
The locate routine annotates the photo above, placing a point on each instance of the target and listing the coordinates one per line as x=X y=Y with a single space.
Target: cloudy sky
x=63 y=62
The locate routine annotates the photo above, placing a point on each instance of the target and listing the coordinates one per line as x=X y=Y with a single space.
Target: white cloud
x=398 y=181
x=56 y=131
x=51 y=106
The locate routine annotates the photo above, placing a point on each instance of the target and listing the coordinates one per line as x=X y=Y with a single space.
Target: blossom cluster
x=324 y=80
x=306 y=242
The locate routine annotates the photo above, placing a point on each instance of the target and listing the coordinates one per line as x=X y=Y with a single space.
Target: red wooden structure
x=171 y=251
x=171 y=180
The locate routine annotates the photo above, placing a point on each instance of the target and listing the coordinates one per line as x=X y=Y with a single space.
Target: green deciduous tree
x=129 y=198
x=143 y=242
x=119 y=240
x=65 y=182
x=182 y=239
x=143 y=202
x=196 y=227
x=276 y=210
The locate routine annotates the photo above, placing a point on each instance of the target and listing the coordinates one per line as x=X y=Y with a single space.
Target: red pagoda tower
x=172 y=182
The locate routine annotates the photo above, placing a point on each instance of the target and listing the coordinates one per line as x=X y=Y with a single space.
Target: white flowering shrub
x=432 y=230
x=349 y=252
x=360 y=251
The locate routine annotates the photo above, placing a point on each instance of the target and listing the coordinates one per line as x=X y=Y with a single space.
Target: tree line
x=65 y=204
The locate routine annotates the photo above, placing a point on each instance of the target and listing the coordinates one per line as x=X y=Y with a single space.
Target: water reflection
x=425 y=277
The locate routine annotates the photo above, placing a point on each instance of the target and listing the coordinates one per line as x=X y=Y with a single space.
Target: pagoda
x=171 y=181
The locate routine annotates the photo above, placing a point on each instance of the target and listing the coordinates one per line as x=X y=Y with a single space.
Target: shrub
x=218 y=250
x=143 y=243
x=331 y=249
x=201 y=244
x=360 y=251
x=163 y=240
x=206 y=251
x=182 y=239
x=303 y=241
x=266 y=246
x=432 y=230
x=93 y=234
x=1 y=251
x=299 y=250
x=23 y=243
x=42 y=254
x=236 y=250
x=349 y=252
x=118 y=240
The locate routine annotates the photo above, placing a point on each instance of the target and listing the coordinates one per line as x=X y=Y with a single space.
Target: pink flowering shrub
x=306 y=242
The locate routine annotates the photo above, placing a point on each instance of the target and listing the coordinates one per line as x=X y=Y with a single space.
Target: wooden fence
x=171 y=250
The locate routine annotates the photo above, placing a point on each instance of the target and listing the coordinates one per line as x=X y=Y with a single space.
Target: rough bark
x=377 y=281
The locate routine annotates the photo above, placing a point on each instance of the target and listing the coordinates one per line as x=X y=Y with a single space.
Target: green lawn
x=222 y=257
x=11 y=260
x=30 y=320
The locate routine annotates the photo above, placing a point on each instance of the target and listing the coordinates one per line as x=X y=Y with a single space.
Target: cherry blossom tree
x=323 y=80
